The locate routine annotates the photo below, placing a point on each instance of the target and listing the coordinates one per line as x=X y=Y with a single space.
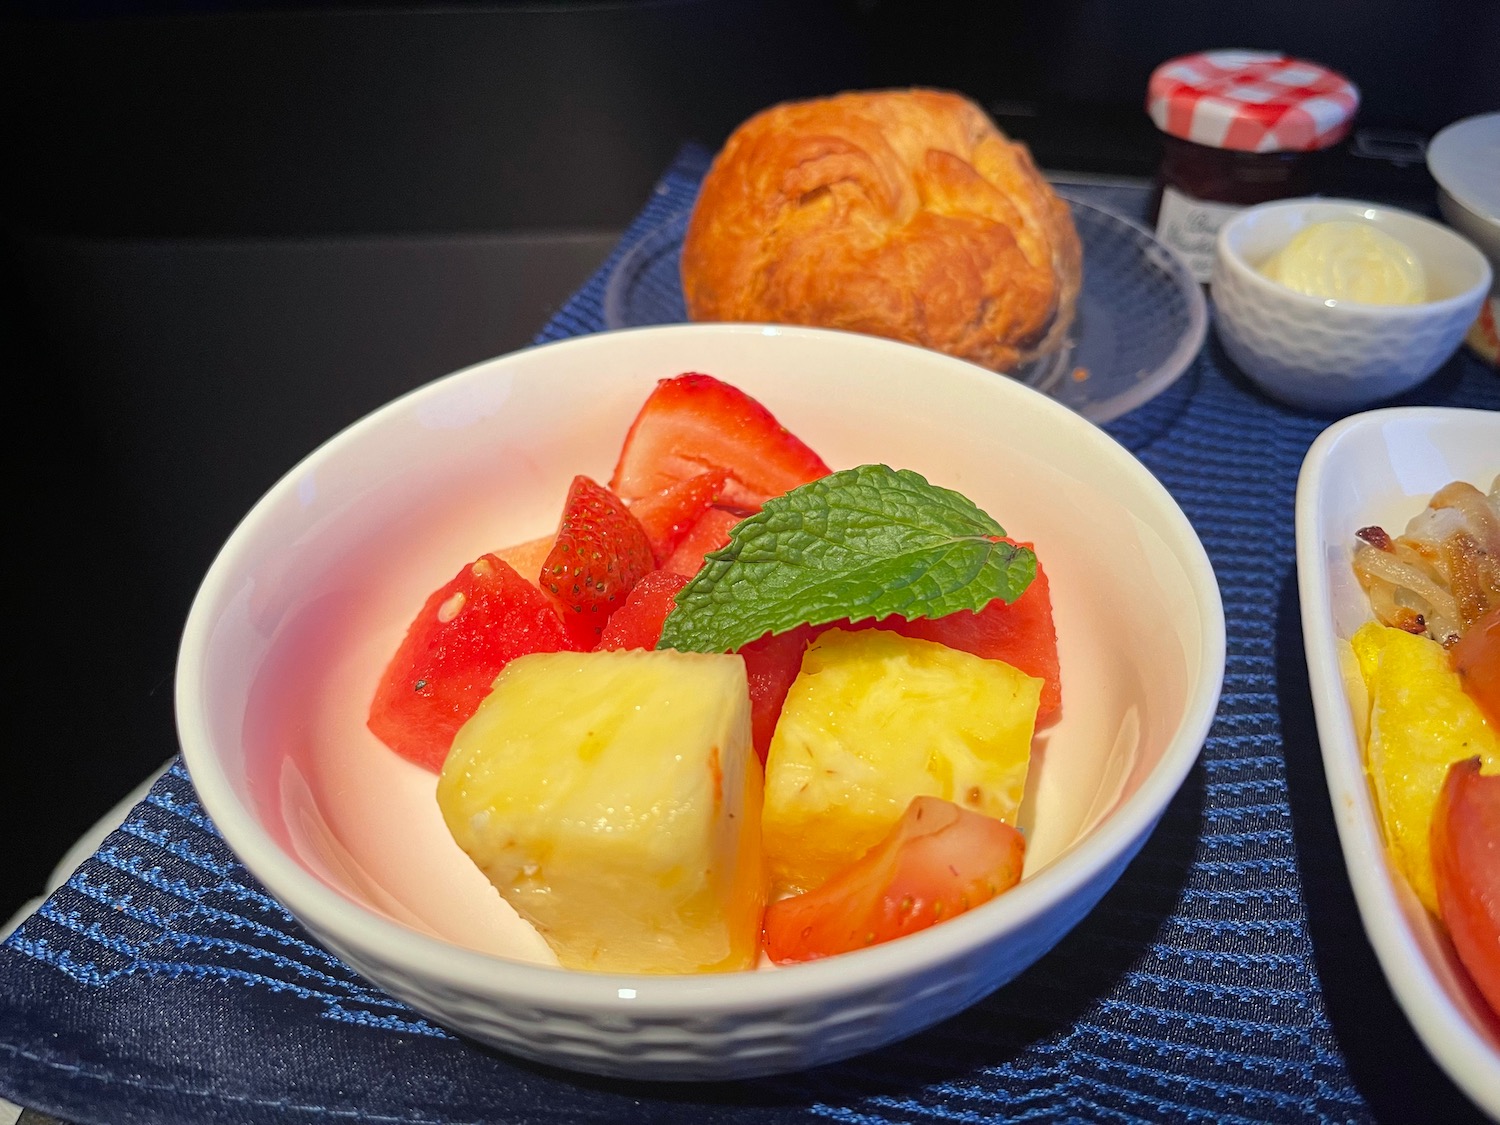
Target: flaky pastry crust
x=898 y=213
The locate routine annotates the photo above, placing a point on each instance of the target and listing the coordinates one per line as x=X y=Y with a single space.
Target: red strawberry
x=465 y=633
x=668 y=513
x=709 y=533
x=601 y=551
x=637 y=623
x=694 y=423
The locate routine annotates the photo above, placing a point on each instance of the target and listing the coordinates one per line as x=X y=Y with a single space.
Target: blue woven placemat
x=1225 y=978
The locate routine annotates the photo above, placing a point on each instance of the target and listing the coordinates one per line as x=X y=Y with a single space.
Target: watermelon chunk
x=466 y=631
x=771 y=664
x=1022 y=634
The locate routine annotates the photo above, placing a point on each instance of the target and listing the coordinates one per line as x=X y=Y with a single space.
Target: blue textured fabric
x=1225 y=978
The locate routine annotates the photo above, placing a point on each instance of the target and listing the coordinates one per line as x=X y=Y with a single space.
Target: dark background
x=228 y=230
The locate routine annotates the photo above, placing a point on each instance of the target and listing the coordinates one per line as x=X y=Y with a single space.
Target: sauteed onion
x=1442 y=574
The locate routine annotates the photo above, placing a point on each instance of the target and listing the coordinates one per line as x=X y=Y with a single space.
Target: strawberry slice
x=694 y=423
x=709 y=533
x=467 y=630
x=668 y=513
x=601 y=551
x=938 y=860
x=637 y=623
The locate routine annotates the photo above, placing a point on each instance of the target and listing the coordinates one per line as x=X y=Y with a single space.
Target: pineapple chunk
x=1421 y=722
x=875 y=719
x=613 y=798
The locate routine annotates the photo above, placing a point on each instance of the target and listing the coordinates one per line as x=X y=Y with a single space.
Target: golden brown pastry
x=900 y=213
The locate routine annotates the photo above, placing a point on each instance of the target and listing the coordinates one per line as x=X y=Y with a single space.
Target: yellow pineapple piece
x=613 y=798
x=1421 y=722
x=1367 y=644
x=1353 y=676
x=875 y=719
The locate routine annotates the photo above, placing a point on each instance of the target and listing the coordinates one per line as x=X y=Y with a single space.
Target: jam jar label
x=1190 y=226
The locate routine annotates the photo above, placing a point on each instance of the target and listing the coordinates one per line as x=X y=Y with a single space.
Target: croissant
x=898 y=213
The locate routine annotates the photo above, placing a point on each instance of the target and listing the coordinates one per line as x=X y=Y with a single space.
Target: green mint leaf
x=860 y=543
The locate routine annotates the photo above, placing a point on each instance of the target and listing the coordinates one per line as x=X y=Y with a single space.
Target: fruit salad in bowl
x=733 y=669
x=703 y=701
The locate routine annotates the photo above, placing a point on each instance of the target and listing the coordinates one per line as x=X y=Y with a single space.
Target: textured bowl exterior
x=729 y=1042
x=1338 y=356
x=1303 y=355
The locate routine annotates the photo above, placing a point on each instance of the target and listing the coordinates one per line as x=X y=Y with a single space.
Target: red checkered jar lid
x=1251 y=101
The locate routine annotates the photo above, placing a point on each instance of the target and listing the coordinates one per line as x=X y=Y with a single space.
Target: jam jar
x=1238 y=128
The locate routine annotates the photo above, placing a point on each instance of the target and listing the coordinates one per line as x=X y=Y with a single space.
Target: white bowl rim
x=333 y=916
x=1442 y=1028
x=1233 y=259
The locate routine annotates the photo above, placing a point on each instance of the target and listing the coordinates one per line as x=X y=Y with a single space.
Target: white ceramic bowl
x=1478 y=227
x=311 y=594
x=1329 y=355
x=1464 y=159
x=1381 y=467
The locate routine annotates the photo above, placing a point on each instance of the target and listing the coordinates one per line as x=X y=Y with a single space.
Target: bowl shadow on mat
x=1037 y=1010
x=1386 y=1060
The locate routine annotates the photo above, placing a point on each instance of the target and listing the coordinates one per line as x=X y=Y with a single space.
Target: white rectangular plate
x=1381 y=467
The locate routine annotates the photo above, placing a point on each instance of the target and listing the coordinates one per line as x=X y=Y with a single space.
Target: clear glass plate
x=1141 y=316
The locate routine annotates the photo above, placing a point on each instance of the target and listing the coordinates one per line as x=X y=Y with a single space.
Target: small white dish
x=1381 y=467
x=1332 y=355
x=1464 y=159
x=310 y=596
